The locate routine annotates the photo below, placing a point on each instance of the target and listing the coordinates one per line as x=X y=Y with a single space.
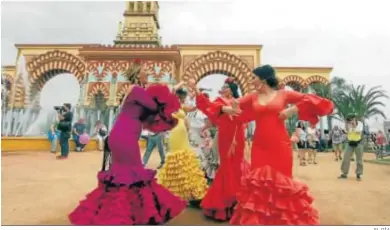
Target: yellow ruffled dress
x=181 y=173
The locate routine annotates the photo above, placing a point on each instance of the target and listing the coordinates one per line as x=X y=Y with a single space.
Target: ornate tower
x=140 y=25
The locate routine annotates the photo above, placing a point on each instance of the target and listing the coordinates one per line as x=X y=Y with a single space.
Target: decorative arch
x=295 y=86
x=95 y=87
x=54 y=60
x=46 y=77
x=293 y=79
x=219 y=62
x=51 y=61
x=123 y=89
x=316 y=79
x=20 y=94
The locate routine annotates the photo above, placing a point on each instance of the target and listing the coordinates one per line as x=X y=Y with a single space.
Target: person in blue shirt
x=53 y=136
x=154 y=140
x=79 y=128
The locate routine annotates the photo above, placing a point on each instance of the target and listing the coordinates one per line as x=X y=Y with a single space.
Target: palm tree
x=364 y=103
x=339 y=85
x=343 y=106
x=330 y=91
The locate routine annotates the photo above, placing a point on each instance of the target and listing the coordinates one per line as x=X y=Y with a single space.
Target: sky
x=351 y=36
x=47 y=101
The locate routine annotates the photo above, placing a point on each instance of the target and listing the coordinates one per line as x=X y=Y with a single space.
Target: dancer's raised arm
x=189 y=108
x=203 y=103
x=178 y=86
x=309 y=107
x=241 y=109
x=182 y=93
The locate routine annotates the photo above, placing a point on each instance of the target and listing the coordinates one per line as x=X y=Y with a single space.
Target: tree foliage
x=349 y=98
x=365 y=103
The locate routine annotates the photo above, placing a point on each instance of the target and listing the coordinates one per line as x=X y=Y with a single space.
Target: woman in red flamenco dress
x=220 y=199
x=269 y=195
x=127 y=194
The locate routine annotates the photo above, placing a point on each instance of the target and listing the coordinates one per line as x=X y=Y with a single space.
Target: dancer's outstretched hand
x=191 y=84
x=231 y=111
x=286 y=113
x=179 y=85
x=235 y=104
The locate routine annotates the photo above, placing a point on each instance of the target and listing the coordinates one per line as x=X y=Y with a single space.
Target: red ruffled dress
x=269 y=195
x=127 y=194
x=220 y=199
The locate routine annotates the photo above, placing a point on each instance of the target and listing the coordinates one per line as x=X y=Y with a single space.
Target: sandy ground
x=37 y=189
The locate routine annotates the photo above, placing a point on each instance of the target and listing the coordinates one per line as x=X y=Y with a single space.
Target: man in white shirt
x=336 y=136
x=154 y=140
x=354 y=130
x=196 y=123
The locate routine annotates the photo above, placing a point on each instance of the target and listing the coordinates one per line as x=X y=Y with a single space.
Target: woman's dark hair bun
x=234 y=88
x=267 y=74
x=273 y=82
x=181 y=92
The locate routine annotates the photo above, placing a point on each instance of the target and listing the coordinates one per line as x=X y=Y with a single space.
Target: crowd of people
x=347 y=144
x=78 y=132
x=212 y=172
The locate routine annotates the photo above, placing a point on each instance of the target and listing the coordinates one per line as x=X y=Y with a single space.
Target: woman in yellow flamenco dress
x=181 y=174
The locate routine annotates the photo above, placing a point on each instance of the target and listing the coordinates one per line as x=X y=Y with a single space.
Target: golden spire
x=118 y=35
x=141 y=24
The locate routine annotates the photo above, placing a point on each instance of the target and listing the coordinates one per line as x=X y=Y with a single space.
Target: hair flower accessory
x=133 y=71
x=229 y=80
x=137 y=61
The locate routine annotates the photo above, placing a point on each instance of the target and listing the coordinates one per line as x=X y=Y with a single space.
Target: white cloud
x=351 y=36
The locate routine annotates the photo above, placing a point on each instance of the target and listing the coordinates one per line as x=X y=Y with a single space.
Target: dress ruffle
x=220 y=201
x=222 y=214
x=128 y=175
x=267 y=197
x=164 y=96
x=143 y=203
x=182 y=175
x=140 y=96
x=311 y=107
x=167 y=103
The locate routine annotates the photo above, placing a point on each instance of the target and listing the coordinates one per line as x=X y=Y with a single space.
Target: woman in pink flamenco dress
x=269 y=195
x=127 y=194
